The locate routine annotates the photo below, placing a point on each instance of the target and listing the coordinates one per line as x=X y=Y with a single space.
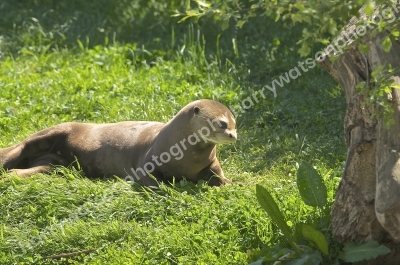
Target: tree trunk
x=367 y=204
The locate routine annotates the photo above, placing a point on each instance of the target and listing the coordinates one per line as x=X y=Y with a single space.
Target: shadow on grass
x=36 y=23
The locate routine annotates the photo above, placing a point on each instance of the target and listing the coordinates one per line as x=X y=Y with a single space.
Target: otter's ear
x=196 y=110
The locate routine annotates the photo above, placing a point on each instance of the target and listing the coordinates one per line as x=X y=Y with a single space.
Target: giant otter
x=183 y=147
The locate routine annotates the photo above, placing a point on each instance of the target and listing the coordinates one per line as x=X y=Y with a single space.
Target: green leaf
x=304 y=50
x=296 y=18
x=192 y=13
x=307 y=18
x=240 y=23
x=353 y=252
x=363 y=48
x=324 y=41
x=183 y=19
x=387 y=89
x=276 y=41
x=311 y=186
x=299 y=6
x=225 y=23
x=177 y=14
x=268 y=203
x=381 y=26
x=369 y=8
x=332 y=27
x=316 y=237
x=203 y=4
x=252 y=14
x=387 y=44
x=277 y=16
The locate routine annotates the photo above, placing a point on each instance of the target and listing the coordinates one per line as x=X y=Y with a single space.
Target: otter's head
x=213 y=122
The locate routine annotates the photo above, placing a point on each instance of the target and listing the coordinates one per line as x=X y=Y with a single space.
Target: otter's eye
x=223 y=125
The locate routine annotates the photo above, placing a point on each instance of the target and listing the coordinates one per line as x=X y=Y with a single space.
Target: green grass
x=49 y=80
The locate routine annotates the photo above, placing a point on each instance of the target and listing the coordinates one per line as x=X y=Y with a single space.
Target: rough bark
x=367 y=204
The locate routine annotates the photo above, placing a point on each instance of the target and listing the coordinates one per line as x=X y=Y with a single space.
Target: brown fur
x=123 y=148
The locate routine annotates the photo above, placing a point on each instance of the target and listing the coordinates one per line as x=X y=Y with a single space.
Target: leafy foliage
x=320 y=22
x=377 y=90
x=315 y=237
x=269 y=205
x=311 y=186
x=353 y=252
x=321 y=19
x=305 y=254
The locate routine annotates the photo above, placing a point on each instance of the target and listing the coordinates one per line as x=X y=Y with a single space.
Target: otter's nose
x=233 y=135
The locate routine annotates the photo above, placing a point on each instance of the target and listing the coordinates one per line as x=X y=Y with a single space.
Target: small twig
x=71 y=254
